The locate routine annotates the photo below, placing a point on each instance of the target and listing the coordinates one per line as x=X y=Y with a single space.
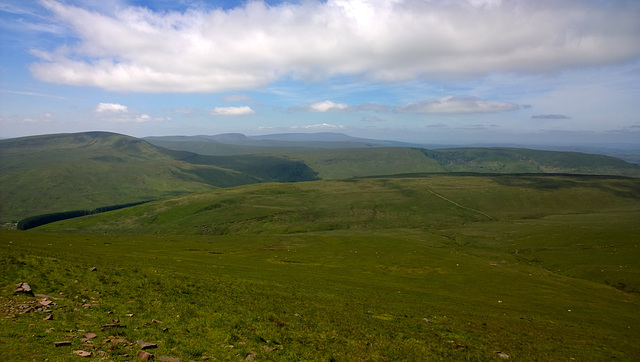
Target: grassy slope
x=357 y=160
x=83 y=171
x=212 y=148
x=62 y=172
x=341 y=164
x=517 y=160
x=539 y=268
x=384 y=203
x=263 y=167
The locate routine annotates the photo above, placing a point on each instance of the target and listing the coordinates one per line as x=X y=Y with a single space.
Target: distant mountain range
x=61 y=172
x=227 y=144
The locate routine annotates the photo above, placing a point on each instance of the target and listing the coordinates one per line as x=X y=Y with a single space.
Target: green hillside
x=367 y=204
x=62 y=172
x=238 y=143
x=336 y=156
x=206 y=147
x=340 y=164
x=53 y=173
x=439 y=267
x=518 y=160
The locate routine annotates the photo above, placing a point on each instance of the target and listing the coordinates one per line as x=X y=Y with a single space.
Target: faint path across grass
x=461 y=206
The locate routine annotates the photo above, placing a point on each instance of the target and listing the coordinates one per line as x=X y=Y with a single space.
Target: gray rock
x=146 y=345
x=23 y=288
x=145 y=356
x=169 y=359
x=113 y=324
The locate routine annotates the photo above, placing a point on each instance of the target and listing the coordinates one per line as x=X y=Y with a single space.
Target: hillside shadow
x=617 y=185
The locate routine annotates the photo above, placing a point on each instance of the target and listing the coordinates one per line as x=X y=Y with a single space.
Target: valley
x=380 y=253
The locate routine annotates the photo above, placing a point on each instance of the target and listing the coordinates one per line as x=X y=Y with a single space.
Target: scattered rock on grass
x=169 y=359
x=145 y=356
x=113 y=324
x=23 y=288
x=82 y=353
x=62 y=343
x=503 y=355
x=115 y=341
x=90 y=335
x=87 y=345
x=146 y=345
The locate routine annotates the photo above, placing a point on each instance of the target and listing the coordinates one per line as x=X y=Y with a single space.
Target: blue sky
x=454 y=71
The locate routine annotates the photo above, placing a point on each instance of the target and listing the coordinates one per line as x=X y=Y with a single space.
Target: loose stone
x=82 y=353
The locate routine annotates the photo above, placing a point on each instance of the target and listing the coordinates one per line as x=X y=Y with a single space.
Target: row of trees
x=39 y=220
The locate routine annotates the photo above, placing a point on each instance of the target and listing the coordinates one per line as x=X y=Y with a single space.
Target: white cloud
x=127 y=118
x=453 y=105
x=327 y=106
x=118 y=113
x=319 y=126
x=23 y=93
x=204 y=50
x=143 y=118
x=232 y=111
x=111 y=108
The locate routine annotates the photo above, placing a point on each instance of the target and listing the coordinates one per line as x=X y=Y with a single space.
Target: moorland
x=311 y=252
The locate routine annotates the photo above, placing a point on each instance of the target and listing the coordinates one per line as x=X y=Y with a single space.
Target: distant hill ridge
x=60 y=172
x=238 y=143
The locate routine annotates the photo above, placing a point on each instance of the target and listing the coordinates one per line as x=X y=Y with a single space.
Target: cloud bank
x=319 y=127
x=111 y=108
x=327 y=106
x=453 y=105
x=550 y=116
x=232 y=111
x=134 y=49
x=118 y=113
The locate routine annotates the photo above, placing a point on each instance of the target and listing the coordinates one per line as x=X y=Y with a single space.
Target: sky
x=563 y=72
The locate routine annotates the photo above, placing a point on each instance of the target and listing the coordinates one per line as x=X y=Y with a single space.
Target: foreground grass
x=432 y=268
x=393 y=295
